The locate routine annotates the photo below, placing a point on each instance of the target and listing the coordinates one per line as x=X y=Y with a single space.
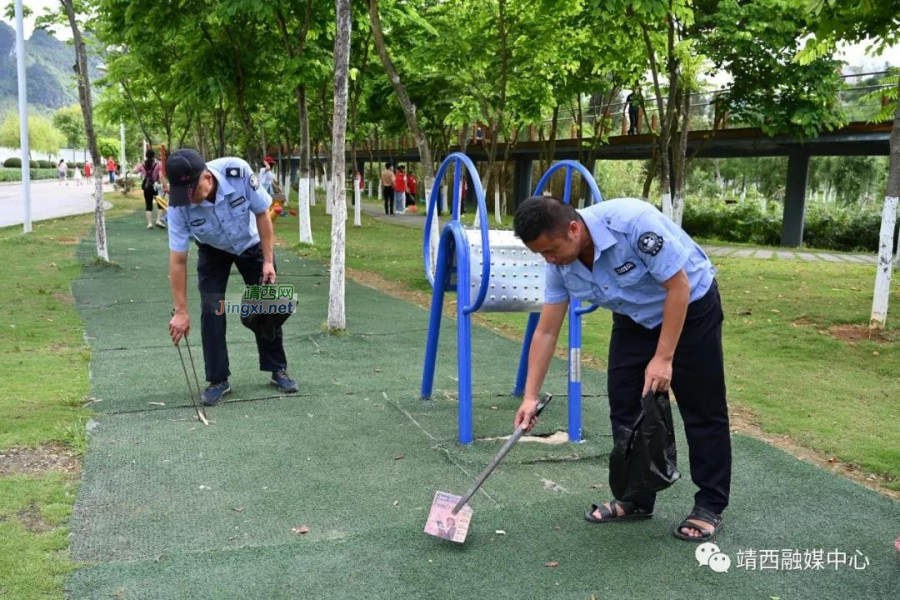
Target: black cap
x=183 y=169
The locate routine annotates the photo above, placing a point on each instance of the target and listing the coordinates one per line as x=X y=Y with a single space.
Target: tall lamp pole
x=23 y=114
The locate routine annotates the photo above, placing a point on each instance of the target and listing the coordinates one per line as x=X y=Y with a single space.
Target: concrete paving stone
x=808 y=256
x=829 y=257
x=764 y=254
x=785 y=255
x=744 y=253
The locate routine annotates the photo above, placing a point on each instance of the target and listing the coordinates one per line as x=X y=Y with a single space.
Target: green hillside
x=51 y=82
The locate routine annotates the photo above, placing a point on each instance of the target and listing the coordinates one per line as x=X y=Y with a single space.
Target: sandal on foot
x=704 y=516
x=630 y=512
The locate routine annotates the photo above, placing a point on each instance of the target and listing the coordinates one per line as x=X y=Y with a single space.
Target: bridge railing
x=859 y=99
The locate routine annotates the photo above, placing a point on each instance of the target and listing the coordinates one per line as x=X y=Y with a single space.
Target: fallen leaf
x=494 y=407
x=300 y=530
x=557 y=528
x=500 y=532
x=597 y=486
x=776 y=311
x=238 y=509
x=876 y=353
x=396 y=502
x=552 y=563
x=378 y=370
x=832 y=459
x=157 y=403
x=398 y=457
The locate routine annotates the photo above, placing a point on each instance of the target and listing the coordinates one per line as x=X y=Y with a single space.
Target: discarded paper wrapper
x=443 y=523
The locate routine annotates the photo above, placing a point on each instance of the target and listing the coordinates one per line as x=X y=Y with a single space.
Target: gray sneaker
x=283 y=382
x=214 y=393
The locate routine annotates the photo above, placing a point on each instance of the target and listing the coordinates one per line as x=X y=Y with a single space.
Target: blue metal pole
x=434 y=319
x=522 y=375
x=575 y=371
x=464 y=343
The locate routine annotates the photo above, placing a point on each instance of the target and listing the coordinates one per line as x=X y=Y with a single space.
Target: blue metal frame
x=453 y=240
x=575 y=309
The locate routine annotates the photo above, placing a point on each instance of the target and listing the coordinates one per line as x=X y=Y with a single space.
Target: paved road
x=48 y=201
x=417 y=220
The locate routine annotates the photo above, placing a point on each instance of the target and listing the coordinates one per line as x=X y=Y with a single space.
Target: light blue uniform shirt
x=229 y=224
x=636 y=248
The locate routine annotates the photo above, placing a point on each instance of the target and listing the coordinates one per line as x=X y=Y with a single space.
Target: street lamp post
x=23 y=115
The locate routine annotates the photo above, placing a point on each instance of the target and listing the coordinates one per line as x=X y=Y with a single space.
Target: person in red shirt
x=412 y=185
x=88 y=170
x=400 y=190
x=111 y=170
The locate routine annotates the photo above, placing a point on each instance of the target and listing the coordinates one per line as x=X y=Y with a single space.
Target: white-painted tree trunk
x=444 y=199
x=370 y=189
x=434 y=239
x=678 y=209
x=99 y=215
x=337 y=320
x=667 y=208
x=329 y=193
x=357 y=205
x=303 y=191
x=883 y=270
x=497 y=216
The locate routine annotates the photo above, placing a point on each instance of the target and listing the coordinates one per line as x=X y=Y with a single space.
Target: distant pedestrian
x=412 y=189
x=88 y=170
x=77 y=175
x=61 y=171
x=400 y=190
x=150 y=170
x=266 y=176
x=111 y=170
x=387 y=189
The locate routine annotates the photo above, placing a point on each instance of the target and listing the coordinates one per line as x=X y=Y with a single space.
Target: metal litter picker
x=201 y=414
x=450 y=515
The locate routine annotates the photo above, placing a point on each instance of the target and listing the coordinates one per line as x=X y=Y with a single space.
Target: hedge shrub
x=36 y=174
x=844 y=228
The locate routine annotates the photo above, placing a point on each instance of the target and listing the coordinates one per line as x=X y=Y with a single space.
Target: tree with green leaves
x=70 y=121
x=42 y=135
x=879 y=22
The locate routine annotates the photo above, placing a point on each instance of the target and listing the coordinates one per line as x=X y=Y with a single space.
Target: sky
x=853 y=54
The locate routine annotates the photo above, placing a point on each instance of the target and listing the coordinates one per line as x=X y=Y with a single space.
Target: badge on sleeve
x=254 y=182
x=234 y=172
x=650 y=243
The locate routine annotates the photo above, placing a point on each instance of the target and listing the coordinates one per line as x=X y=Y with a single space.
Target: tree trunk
x=87 y=111
x=409 y=110
x=337 y=320
x=883 y=273
x=303 y=187
x=680 y=154
x=664 y=138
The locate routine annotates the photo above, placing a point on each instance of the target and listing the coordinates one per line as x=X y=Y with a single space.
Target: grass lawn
x=45 y=365
x=787 y=373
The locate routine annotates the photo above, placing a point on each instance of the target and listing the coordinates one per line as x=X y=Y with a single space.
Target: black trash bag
x=263 y=323
x=644 y=459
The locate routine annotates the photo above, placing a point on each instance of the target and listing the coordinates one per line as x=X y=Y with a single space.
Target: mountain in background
x=49 y=61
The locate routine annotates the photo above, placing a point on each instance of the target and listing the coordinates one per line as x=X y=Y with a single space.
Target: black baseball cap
x=183 y=168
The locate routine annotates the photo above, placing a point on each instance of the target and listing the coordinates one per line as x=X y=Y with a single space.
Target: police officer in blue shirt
x=222 y=205
x=626 y=256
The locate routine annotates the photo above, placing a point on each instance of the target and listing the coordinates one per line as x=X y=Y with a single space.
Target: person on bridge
x=633 y=100
x=626 y=256
x=222 y=205
x=387 y=189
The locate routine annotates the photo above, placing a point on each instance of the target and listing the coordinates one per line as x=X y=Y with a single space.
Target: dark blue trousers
x=213 y=269
x=698 y=382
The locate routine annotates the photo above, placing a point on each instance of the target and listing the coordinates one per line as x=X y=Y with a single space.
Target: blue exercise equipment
x=512 y=274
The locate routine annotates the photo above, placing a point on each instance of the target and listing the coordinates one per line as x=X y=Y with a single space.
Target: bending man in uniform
x=667 y=330
x=222 y=205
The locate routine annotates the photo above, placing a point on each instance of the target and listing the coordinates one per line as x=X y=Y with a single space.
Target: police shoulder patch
x=254 y=182
x=234 y=172
x=650 y=243
x=624 y=268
